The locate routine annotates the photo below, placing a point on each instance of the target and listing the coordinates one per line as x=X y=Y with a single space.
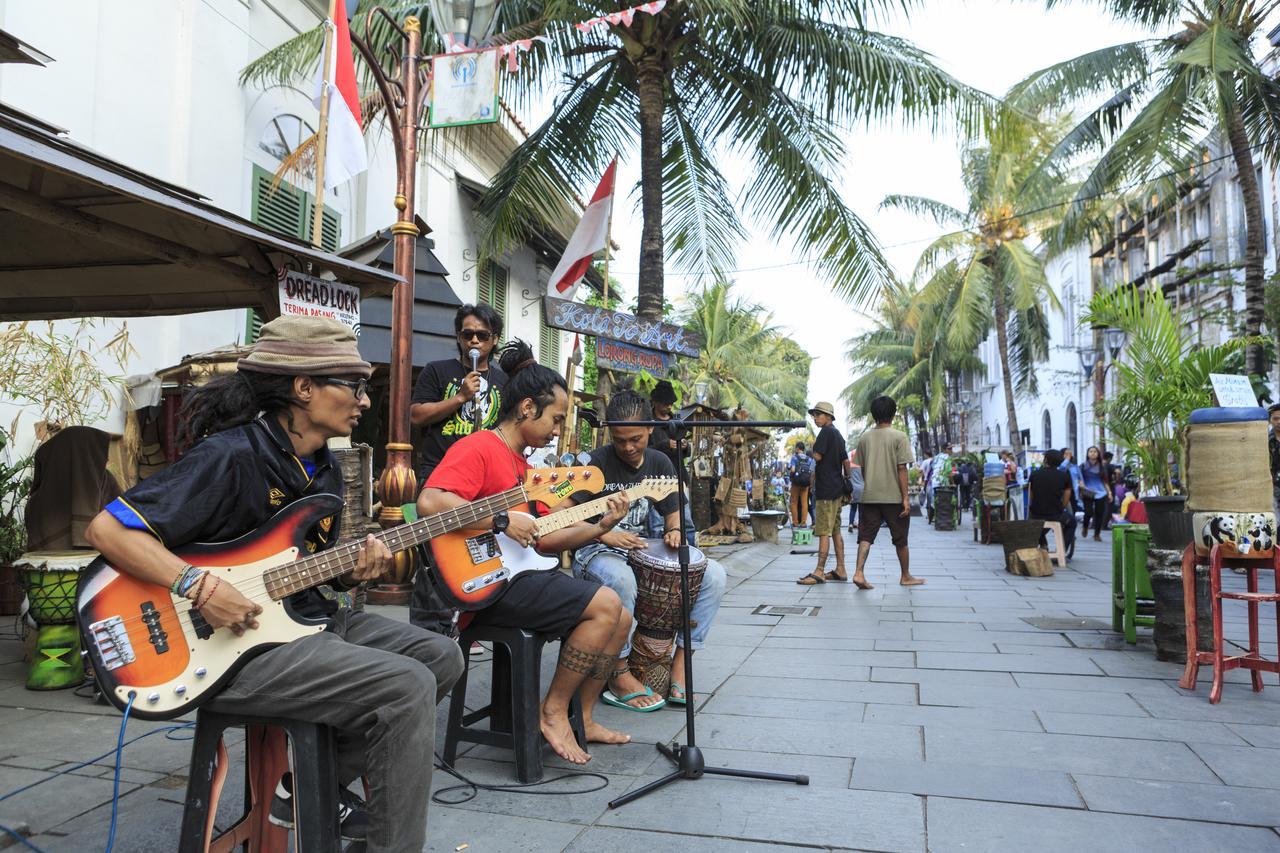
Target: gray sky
x=988 y=44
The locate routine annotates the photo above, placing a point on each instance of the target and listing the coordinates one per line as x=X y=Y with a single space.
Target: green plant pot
x=1171 y=527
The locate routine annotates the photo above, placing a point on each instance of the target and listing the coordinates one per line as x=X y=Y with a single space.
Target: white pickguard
x=516 y=558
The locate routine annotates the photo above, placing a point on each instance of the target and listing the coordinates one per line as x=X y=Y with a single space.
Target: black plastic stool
x=315 y=787
x=515 y=699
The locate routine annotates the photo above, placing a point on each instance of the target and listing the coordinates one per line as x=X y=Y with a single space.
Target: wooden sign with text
x=603 y=323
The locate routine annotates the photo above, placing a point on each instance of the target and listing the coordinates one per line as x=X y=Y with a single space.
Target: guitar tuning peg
x=548 y=460
x=566 y=460
x=584 y=458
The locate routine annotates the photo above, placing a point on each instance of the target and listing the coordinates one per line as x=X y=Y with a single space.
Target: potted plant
x=15 y=486
x=1162 y=381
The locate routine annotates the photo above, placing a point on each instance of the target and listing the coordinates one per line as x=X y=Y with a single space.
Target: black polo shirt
x=229 y=484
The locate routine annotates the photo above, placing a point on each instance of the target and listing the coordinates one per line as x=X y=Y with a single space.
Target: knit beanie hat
x=306 y=346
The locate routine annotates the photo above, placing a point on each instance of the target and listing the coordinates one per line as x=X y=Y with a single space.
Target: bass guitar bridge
x=112 y=641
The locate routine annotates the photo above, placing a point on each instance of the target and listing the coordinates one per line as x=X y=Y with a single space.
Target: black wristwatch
x=500 y=522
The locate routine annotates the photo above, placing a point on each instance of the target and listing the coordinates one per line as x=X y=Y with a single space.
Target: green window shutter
x=330 y=229
x=283 y=210
x=491 y=288
x=549 y=346
x=252 y=326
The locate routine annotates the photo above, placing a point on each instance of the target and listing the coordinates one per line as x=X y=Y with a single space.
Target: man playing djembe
x=626 y=461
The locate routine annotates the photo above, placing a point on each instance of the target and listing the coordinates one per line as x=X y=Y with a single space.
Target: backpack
x=803 y=474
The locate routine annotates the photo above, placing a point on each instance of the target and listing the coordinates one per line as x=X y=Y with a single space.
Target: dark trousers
x=1097 y=511
x=853 y=515
x=966 y=495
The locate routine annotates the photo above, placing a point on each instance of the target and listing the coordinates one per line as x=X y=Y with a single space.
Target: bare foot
x=911 y=580
x=860 y=581
x=597 y=733
x=555 y=728
x=625 y=684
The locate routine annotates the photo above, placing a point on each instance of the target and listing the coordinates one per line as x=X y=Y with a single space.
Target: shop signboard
x=616 y=355
x=305 y=295
x=603 y=323
x=1232 y=390
x=464 y=88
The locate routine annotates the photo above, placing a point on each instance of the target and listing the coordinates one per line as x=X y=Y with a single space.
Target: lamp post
x=403 y=98
x=1094 y=365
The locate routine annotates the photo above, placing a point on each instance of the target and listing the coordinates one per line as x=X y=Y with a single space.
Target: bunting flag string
x=511 y=50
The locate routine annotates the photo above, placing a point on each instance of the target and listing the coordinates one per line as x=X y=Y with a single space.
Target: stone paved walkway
x=936 y=718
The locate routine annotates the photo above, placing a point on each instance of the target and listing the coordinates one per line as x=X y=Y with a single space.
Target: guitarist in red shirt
x=259 y=444
x=534 y=406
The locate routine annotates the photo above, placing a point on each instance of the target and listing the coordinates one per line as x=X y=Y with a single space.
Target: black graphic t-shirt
x=828 y=473
x=440 y=380
x=618 y=476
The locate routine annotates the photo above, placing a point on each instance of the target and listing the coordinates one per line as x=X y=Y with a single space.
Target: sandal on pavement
x=811 y=579
x=673 y=698
x=621 y=701
x=832 y=576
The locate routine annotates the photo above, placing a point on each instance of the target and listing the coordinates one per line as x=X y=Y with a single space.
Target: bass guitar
x=146 y=642
x=473 y=567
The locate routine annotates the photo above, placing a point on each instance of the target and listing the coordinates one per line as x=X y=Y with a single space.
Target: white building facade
x=154 y=84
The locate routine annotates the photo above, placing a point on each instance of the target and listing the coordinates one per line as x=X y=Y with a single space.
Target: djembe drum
x=657 y=613
x=49 y=579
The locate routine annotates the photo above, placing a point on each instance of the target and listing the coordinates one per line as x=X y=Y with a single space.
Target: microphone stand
x=687 y=757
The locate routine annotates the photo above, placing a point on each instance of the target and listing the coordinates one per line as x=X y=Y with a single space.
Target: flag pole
x=322 y=135
x=608 y=237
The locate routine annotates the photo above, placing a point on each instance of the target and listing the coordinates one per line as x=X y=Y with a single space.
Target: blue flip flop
x=621 y=701
x=677 y=700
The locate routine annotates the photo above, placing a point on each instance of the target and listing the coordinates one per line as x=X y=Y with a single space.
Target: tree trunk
x=651 y=85
x=1002 y=344
x=1254 y=293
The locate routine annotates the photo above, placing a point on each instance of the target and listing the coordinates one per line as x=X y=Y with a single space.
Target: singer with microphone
x=453 y=398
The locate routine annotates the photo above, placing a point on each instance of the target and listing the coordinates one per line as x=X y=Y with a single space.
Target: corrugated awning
x=87 y=236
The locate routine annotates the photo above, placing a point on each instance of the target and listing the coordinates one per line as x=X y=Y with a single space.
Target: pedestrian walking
x=831 y=458
x=885 y=454
x=800 y=472
x=1096 y=493
x=855 y=498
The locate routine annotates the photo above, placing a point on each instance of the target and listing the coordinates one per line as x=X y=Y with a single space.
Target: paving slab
x=1100 y=725
x=1187 y=800
x=1071 y=753
x=53 y=800
x=835 y=713
x=1027 y=698
x=967 y=825
x=448 y=828
x=775 y=735
x=597 y=839
x=1046 y=661
x=967 y=678
x=757 y=811
x=1093 y=683
x=968 y=781
x=1268 y=736
x=813 y=688
x=977 y=718
x=1245 y=766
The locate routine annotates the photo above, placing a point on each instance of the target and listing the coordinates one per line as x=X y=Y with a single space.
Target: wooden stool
x=1057 y=553
x=315 y=788
x=1251 y=660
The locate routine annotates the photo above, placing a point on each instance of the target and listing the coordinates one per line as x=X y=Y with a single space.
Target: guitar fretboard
x=283 y=581
x=563 y=518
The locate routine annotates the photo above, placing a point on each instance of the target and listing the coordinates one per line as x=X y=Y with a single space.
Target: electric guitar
x=146 y=642
x=473 y=567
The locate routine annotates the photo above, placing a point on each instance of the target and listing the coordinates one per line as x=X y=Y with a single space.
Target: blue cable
x=115 y=790
x=121 y=743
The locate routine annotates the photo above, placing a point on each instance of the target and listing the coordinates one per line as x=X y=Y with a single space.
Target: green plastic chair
x=1132 y=602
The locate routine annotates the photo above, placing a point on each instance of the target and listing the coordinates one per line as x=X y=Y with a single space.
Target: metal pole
x=322 y=135
x=398 y=483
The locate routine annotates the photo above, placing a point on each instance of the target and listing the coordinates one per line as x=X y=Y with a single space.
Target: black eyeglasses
x=479 y=334
x=359 y=387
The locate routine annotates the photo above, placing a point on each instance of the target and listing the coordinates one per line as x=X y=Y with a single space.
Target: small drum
x=657 y=612
x=49 y=579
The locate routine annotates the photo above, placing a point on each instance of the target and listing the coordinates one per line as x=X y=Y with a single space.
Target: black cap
x=663 y=393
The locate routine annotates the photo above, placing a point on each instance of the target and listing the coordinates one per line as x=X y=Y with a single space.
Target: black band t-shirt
x=618 y=477
x=1047 y=486
x=828 y=474
x=440 y=380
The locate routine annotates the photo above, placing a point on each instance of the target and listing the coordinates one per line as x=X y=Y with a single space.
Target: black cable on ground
x=472 y=788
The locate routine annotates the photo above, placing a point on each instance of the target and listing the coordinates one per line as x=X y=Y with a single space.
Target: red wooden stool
x=1252 y=660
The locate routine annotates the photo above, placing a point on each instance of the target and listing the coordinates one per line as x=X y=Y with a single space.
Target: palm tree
x=1162 y=96
x=745 y=360
x=985 y=274
x=772 y=83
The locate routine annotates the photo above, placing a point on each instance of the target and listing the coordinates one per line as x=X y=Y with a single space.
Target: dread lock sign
x=307 y=296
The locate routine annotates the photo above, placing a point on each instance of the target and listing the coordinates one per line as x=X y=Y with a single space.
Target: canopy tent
x=87 y=236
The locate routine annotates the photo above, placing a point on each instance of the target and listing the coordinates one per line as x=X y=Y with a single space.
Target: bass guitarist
x=589 y=616
x=257 y=443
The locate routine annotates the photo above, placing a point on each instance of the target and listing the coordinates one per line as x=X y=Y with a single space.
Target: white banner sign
x=307 y=296
x=1232 y=390
x=464 y=88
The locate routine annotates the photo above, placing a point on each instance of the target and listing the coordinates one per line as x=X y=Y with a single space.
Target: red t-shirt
x=477 y=466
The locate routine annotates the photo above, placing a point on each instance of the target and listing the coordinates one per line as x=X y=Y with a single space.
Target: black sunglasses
x=479 y=334
x=359 y=387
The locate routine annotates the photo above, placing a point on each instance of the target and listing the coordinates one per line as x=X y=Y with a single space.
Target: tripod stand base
x=690 y=765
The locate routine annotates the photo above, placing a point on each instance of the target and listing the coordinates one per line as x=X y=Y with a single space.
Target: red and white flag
x=345 y=155
x=591 y=236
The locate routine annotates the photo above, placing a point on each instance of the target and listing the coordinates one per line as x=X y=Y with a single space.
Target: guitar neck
x=285 y=580
x=582 y=512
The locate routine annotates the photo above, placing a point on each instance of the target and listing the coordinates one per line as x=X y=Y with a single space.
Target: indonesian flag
x=589 y=237
x=345 y=155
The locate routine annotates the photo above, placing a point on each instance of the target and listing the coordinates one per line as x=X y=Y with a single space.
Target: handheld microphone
x=478 y=417
x=474 y=355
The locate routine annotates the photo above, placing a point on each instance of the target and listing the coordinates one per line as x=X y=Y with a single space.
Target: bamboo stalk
x=322 y=134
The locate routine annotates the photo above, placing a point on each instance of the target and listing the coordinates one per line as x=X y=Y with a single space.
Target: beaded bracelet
x=188 y=576
x=192 y=581
x=195 y=591
x=209 y=597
